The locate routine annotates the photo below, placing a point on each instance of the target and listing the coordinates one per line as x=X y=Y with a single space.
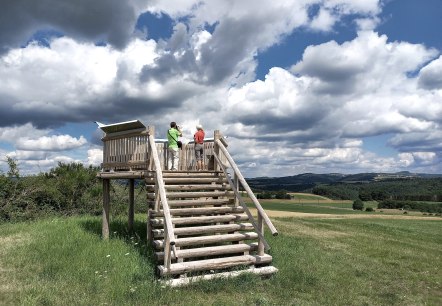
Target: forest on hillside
x=411 y=189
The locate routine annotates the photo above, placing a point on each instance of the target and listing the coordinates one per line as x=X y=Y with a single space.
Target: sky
x=320 y=86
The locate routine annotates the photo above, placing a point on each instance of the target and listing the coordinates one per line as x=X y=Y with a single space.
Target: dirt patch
x=284 y=214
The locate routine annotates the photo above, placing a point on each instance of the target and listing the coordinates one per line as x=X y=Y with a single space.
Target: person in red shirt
x=199 y=147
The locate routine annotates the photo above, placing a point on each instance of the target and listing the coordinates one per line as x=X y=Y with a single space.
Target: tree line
x=67 y=189
x=415 y=189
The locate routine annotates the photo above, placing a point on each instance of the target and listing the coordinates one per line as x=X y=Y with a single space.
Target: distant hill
x=307 y=181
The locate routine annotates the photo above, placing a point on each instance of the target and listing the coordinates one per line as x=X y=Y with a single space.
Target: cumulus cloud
x=332 y=84
x=345 y=92
x=100 y=20
x=430 y=77
x=12 y=133
x=52 y=143
x=75 y=82
x=94 y=157
x=311 y=117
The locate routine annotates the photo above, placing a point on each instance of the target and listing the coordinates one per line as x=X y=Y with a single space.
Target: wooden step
x=183 y=281
x=192 y=187
x=206 y=173
x=199 y=202
x=188 y=180
x=213 y=264
x=191 y=194
x=202 y=220
x=190 y=241
x=200 y=211
x=212 y=251
x=208 y=229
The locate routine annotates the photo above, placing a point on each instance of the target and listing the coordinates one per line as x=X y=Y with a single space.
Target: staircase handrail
x=242 y=203
x=246 y=187
x=162 y=190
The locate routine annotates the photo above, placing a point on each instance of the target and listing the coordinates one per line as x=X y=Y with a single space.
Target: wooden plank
x=179 y=181
x=191 y=173
x=199 y=230
x=200 y=211
x=191 y=241
x=214 y=264
x=183 y=281
x=172 y=195
x=122 y=175
x=212 y=251
x=199 y=202
x=202 y=220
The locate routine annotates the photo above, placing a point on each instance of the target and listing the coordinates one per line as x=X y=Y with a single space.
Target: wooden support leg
x=131 y=212
x=149 y=227
x=261 y=229
x=106 y=204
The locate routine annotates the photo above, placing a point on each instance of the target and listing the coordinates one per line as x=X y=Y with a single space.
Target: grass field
x=63 y=261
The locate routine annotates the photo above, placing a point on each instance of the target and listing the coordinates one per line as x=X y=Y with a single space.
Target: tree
x=358 y=205
x=13 y=167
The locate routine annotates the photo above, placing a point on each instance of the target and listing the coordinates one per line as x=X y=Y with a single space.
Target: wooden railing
x=132 y=152
x=160 y=197
x=239 y=179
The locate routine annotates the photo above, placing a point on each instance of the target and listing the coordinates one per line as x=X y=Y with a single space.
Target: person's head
x=173 y=124
x=199 y=127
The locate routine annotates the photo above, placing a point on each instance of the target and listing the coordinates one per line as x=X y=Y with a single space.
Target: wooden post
x=236 y=184
x=149 y=227
x=131 y=212
x=261 y=229
x=106 y=204
x=216 y=136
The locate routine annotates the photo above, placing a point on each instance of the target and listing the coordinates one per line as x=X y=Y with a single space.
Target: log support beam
x=106 y=205
x=131 y=212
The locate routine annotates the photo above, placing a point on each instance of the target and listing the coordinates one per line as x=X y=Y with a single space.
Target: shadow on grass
x=118 y=230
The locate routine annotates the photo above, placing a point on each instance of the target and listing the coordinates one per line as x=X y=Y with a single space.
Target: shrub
x=358 y=204
x=369 y=209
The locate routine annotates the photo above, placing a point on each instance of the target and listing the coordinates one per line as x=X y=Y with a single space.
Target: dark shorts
x=199 y=151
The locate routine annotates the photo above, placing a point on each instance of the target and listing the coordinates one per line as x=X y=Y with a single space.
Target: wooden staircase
x=213 y=234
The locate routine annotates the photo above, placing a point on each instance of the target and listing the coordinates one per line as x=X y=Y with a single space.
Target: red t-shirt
x=199 y=136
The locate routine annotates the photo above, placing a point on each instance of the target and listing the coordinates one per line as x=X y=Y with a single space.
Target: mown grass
x=63 y=261
x=334 y=207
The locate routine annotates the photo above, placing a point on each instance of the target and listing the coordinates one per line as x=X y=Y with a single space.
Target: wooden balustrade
x=133 y=153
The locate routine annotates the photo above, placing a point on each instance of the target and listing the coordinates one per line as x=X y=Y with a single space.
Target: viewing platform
x=198 y=223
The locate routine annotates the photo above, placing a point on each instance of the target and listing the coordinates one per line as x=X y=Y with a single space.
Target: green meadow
x=368 y=261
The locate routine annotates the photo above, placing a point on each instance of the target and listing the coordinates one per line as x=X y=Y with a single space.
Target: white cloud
x=50 y=143
x=430 y=77
x=312 y=117
x=324 y=21
x=12 y=133
x=94 y=157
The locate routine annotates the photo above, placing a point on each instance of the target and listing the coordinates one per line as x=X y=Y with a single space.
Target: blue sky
x=298 y=86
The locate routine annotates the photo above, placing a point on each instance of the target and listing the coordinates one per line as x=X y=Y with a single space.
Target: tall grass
x=63 y=261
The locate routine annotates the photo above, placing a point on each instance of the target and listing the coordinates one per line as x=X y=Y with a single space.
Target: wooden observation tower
x=198 y=223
